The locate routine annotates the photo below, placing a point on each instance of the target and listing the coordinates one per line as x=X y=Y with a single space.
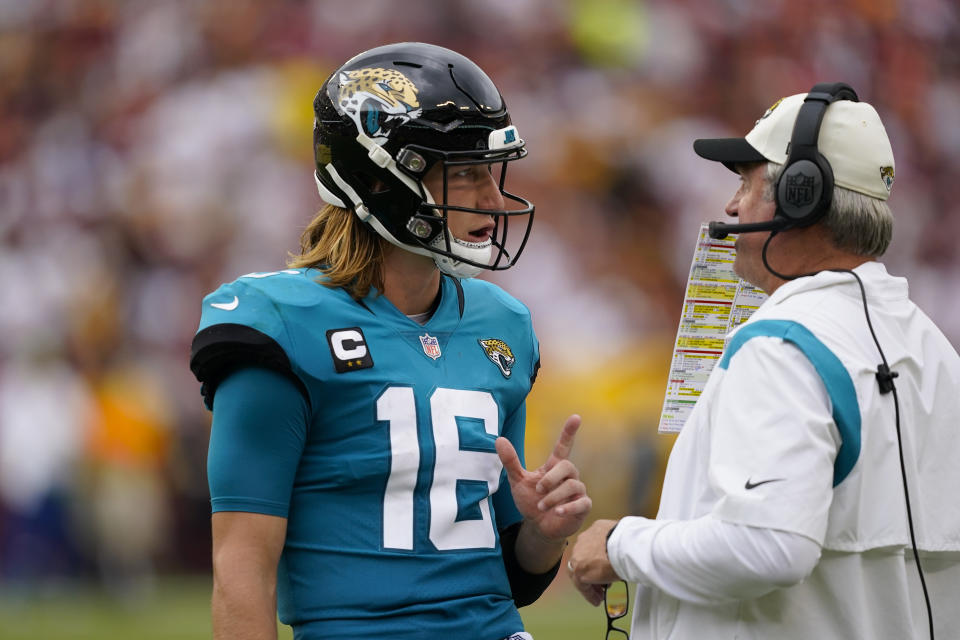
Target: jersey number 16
x=454 y=468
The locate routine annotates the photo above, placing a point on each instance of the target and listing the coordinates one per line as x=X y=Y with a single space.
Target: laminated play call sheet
x=716 y=302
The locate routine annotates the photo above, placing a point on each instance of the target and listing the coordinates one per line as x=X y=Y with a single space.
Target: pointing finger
x=561 y=451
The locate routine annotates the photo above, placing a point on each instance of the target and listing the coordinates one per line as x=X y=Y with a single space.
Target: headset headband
x=805 y=187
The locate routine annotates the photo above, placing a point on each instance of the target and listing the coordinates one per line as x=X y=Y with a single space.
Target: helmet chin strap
x=474 y=251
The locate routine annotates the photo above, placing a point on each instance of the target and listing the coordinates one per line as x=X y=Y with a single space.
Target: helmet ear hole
x=373 y=184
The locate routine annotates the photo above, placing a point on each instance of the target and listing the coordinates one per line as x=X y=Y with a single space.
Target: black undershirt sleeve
x=526 y=587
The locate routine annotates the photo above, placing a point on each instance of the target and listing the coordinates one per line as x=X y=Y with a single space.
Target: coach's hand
x=589 y=566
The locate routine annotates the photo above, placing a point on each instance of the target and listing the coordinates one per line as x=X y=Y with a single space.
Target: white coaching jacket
x=792 y=440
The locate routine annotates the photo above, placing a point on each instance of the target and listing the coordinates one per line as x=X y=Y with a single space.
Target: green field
x=178 y=609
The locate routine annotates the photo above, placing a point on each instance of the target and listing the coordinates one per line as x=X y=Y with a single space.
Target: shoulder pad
x=221 y=349
x=490 y=292
x=241 y=326
x=490 y=301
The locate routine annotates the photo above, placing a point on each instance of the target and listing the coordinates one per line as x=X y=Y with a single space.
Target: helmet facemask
x=458 y=256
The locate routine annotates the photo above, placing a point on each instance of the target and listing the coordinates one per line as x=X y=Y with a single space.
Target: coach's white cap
x=852 y=139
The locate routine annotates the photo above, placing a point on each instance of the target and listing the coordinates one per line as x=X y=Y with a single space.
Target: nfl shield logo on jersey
x=431 y=346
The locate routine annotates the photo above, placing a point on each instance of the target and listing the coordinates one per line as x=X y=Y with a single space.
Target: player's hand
x=589 y=566
x=552 y=498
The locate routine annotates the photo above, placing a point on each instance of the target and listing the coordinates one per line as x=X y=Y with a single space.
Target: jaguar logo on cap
x=886 y=174
x=768 y=111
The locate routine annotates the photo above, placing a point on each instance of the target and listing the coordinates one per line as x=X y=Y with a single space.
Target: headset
x=805 y=187
x=803 y=195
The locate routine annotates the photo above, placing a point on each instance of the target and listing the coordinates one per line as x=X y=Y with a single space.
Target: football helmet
x=385 y=118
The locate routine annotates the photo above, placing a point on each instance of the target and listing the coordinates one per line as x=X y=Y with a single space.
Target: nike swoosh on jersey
x=753 y=485
x=227 y=306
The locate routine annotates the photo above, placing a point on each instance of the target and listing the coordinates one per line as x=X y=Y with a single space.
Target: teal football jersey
x=398 y=496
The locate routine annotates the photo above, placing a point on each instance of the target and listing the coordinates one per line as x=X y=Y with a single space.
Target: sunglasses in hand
x=616 y=601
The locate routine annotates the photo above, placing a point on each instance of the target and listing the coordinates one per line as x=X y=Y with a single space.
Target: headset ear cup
x=804 y=190
x=800 y=192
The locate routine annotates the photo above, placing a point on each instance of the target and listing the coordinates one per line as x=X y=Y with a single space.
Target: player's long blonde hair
x=348 y=252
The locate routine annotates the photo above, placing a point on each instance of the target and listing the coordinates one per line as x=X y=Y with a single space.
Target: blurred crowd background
x=150 y=150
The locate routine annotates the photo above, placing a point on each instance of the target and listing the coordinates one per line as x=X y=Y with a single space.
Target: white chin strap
x=474 y=251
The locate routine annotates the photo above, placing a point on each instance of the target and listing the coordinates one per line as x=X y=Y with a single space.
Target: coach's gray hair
x=857 y=222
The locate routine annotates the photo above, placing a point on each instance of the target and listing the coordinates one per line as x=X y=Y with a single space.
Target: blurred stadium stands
x=151 y=150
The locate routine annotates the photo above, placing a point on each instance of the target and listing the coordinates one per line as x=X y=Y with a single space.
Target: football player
x=366 y=462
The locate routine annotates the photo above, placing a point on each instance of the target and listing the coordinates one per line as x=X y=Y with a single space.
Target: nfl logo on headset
x=431 y=346
x=800 y=189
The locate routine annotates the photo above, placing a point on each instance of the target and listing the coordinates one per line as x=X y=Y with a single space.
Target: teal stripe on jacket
x=846 y=409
